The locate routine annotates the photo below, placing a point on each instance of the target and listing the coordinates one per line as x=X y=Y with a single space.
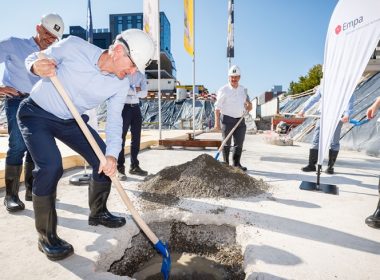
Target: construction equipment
x=161 y=247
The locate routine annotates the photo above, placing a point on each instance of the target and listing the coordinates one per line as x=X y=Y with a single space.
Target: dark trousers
x=239 y=134
x=39 y=129
x=16 y=144
x=132 y=119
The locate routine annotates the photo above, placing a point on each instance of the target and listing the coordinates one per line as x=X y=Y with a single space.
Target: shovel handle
x=230 y=134
x=62 y=92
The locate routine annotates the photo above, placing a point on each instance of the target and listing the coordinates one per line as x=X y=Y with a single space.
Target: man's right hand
x=216 y=128
x=8 y=91
x=300 y=114
x=44 y=67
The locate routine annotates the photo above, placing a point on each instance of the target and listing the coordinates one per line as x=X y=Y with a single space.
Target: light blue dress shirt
x=85 y=84
x=136 y=80
x=13 y=52
x=317 y=96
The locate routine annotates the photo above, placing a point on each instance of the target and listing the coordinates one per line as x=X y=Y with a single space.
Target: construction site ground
x=285 y=233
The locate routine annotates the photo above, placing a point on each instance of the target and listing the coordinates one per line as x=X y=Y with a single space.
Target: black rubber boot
x=226 y=154
x=374 y=220
x=136 y=170
x=45 y=215
x=12 y=184
x=28 y=179
x=99 y=215
x=236 y=158
x=313 y=158
x=332 y=158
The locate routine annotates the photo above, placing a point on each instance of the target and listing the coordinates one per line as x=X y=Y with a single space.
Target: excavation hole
x=201 y=252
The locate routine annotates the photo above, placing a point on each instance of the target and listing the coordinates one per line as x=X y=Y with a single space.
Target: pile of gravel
x=203 y=177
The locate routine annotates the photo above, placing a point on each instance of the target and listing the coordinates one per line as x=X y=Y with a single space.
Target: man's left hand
x=345 y=119
x=109 y=168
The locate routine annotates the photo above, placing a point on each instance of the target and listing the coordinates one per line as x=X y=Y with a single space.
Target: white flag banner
x=151 y=16
x=352 y=36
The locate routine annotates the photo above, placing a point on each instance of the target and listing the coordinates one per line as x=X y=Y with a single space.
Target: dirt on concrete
x=203 y=177
x=214 y=247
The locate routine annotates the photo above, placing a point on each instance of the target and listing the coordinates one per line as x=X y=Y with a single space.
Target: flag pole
x=158 y=26
x=194 y=69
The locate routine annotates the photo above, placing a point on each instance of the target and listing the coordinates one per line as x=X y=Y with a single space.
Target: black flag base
x=80 y=179
x=326 y=188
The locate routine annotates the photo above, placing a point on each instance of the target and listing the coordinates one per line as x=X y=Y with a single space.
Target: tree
x=312 y=79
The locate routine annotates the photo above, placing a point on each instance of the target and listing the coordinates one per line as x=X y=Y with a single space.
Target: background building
x=120 y=22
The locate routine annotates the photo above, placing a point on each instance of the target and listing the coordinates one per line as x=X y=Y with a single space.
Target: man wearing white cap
x=17 y=84
x=90 y=76
x=231 y=103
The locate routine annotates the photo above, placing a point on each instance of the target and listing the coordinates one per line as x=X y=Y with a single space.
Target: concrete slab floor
x=285 y=234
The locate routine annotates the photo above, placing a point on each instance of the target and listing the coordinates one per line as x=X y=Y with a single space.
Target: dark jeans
x=16 y=144
x=238 y=135
x=39 y=129
x=131 y=119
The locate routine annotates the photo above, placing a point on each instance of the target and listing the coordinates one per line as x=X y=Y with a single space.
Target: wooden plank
x=190 y=143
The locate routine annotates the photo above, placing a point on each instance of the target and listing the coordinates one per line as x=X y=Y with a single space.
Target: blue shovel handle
x=358 y=123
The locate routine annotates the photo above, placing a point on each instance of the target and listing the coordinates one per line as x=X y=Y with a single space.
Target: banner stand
x=81 y=179
x=326 y=188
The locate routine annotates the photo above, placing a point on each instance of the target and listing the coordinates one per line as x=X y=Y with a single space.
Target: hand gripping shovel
x=158 y=244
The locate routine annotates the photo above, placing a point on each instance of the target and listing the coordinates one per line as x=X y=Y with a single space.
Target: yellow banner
x=188 y=38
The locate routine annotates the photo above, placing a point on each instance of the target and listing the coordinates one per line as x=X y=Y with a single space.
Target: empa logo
x=348 y=25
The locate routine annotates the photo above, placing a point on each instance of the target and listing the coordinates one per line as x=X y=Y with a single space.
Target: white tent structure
x=352 y=35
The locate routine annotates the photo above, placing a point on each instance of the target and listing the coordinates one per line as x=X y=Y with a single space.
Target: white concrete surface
x=285 y=234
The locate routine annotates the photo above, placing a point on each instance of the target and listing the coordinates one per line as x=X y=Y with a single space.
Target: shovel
x=158 y=244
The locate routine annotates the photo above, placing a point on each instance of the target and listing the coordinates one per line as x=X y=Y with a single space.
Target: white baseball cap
x=54 y=24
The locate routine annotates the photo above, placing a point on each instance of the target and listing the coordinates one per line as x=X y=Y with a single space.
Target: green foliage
x=307 y=82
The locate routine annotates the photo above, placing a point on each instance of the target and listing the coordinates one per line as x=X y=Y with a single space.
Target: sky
x=276 y=41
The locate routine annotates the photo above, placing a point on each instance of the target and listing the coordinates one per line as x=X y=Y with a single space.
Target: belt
x=132 y=105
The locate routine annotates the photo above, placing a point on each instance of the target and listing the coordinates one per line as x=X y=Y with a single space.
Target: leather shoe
x=136 y=170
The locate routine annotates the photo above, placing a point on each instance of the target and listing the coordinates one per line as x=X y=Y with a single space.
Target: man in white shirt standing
x=231 y=103
x=132 y=119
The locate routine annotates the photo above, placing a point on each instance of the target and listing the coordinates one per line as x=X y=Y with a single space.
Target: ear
x=118 y=49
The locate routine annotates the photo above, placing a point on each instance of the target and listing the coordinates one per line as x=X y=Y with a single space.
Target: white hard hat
x=140 y=46
x=234 y=71
x=54 y=24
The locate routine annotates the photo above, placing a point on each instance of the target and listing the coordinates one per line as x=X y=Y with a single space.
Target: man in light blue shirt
x=17 y=84
x=132 y=119
x=335 y=145
x=90 y=76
